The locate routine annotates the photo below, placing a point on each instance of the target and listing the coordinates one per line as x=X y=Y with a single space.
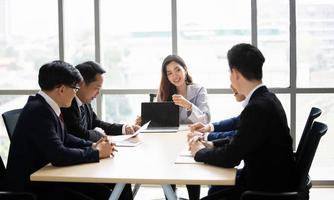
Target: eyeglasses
x=75 y=88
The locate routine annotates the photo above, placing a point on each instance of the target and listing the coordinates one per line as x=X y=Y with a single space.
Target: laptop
x=164 y=116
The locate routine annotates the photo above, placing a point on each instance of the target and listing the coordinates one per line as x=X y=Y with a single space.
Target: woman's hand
x=181 y=101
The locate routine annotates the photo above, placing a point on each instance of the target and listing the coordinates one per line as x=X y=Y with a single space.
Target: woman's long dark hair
x=167 y=89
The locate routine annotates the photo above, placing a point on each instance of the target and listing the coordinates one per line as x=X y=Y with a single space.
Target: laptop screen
x=161 y=114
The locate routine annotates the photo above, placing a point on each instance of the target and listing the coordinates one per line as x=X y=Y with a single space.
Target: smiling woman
x=177 y=85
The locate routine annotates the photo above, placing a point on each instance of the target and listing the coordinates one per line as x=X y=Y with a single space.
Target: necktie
x=62 y=122
x=61 y=117
x=83 y=117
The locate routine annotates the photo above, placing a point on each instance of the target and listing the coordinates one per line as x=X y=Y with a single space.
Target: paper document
x=128 y=140
x=186 y=160
x=186 y=152
x=185 y=157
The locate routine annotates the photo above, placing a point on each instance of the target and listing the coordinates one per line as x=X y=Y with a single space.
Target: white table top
x=151 y=162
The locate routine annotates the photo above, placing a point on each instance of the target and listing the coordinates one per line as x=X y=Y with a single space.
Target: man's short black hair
x=56 y=73
x=247 y=59
x=89 y=70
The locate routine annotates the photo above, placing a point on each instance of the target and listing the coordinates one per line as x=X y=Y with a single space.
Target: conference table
x=150 y=162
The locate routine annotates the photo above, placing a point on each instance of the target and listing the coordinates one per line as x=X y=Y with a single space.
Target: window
x=323 y=160
x=273 y=41
x=123 y=108
x=79 y=31
x=135 y=40
x=315 y=43
x=206 y=31
x=28 y=38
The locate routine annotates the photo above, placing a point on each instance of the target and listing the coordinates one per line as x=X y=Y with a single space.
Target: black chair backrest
x=152 y=97
x=10 y=119
x=2 y=169
x=314 y=113
x=308 y=151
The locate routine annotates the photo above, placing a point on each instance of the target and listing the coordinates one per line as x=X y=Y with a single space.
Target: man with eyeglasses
x=40 y=138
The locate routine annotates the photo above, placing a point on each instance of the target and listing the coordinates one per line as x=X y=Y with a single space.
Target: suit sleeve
x=47 y=138
x=218 y=135
x=226 y=125
x=73 y=141
x=248 y=138
x=72 y=120
x=200 y=111
x=109 y=128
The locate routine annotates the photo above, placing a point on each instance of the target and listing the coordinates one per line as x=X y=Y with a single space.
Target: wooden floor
x=148 y=192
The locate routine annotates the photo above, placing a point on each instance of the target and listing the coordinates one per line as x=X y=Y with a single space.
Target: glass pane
x=8 y=102
x=206 y=31
x=323 y=161
x=223 y=106
x=28 y=39
x=122 y=108
x=273 y=41
x=135 y=41
x=79 y=31
x=285 y=101
x=315 y=43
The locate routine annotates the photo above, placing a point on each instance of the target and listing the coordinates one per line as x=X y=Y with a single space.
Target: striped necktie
x=83 y=116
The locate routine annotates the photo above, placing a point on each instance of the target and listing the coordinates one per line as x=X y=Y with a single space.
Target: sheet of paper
x=185 y=160
x=129 y=142
x=185 y=152
x=119 y=138
x=185 y=157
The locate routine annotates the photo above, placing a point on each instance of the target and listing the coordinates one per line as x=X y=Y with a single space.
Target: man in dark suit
x=80 y=119
x=262 y=141
x=39 y=138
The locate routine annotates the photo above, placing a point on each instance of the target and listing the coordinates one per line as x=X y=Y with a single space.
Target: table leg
x=169 y=192
x=135 y=189
x=116 y=192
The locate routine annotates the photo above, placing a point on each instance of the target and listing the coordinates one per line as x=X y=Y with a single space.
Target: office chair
x=314 y=113
x=10 y=119
x=7 y=195
x=152 y=96
x=303 y=167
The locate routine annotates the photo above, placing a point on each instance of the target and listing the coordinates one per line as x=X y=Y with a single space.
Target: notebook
x=164 y=116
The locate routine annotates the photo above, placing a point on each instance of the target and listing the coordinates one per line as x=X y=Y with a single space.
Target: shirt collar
x=55 y=107
x=246 y=101
x=79 y=102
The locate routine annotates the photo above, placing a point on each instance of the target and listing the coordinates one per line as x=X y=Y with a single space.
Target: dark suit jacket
x=72 y=121
x=224 y=128
x=39 y=139
x=263 y=142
